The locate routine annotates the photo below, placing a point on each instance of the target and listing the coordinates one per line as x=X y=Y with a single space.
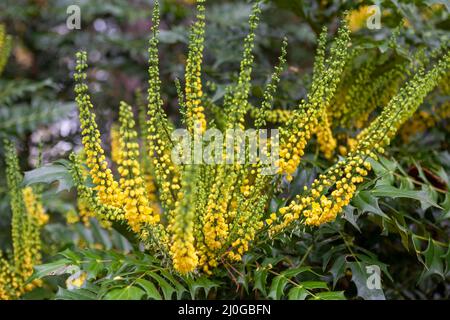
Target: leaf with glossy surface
x=150 y=289
x=127 y=293
x=277 y=287
x=367 y=202
x=434 y=262
x=48 y=174
x=393 y=192
x=332 y=295
x=166 y=288
x=298 y=293
x=53 y=268
x=78 y=294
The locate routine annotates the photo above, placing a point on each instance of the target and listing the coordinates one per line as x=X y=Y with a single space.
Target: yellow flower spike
x=216 y=216
x=275 y=116
x=27 y=217
x=182 y=249
x=305 y=120
x=209 y=209
x=248 y=219
x=264 y=113
x=236 y=98
x=138 y=211
x=194 y=110
x=87 y=195
x=95 y=155
x=158 y=127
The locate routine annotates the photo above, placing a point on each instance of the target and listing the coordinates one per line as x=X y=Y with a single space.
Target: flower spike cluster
x=194 y=109
x=88 y=195
x=236 y=99
x=158 y=127
x=332 y=191
x=108 y=190
x=305 y=120
x=184 y=255
x=261 y=114
x=137 y=207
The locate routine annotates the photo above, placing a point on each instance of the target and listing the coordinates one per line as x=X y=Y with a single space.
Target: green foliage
x=111 y=275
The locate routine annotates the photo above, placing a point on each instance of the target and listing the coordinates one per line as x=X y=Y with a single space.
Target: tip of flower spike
x=81 y=65
x=81 y=57
x=254 y=17
x=155 y=17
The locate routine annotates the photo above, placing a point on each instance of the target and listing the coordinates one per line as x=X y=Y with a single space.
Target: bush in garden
x=212 y=213
x=199 y=221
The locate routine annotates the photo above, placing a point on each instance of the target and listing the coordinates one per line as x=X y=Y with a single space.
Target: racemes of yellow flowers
x=28 y=216
x=198 y=216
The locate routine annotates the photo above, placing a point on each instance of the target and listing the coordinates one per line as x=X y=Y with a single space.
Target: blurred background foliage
x=409 y=239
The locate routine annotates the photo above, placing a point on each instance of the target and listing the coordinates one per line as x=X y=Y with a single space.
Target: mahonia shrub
x=196 y=217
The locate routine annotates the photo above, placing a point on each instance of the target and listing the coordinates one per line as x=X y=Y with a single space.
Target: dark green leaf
x=366 y=202
x=166 y=288
x=149 y=288
x=434 y=262
x=260 y=280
